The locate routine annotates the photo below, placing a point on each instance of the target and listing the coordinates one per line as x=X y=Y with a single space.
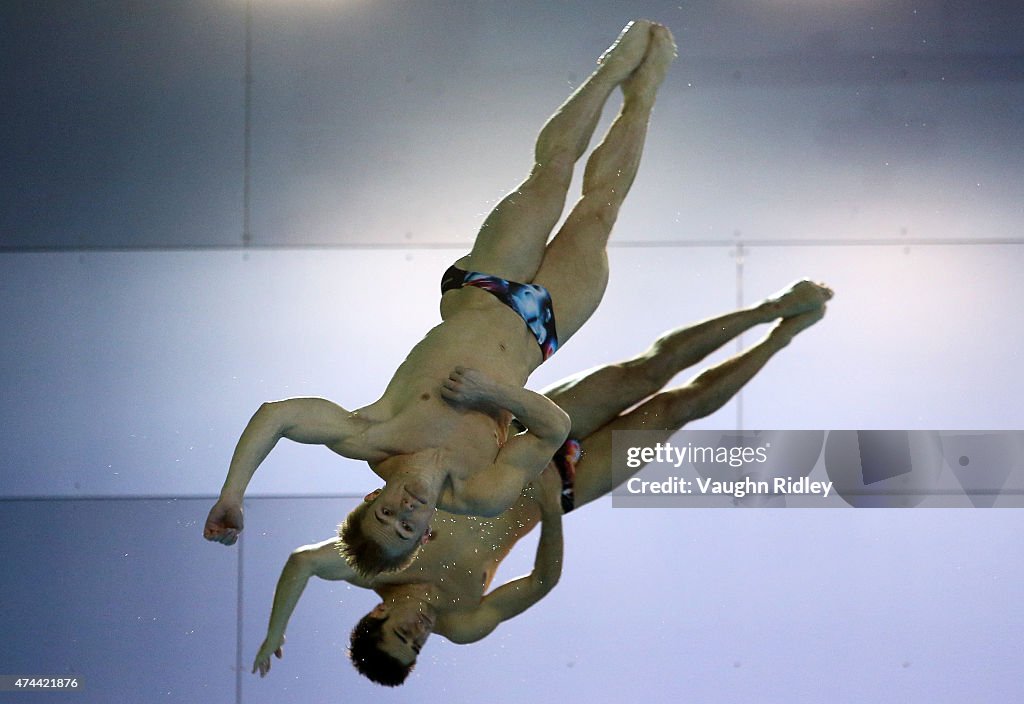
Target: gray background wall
x=208 y=205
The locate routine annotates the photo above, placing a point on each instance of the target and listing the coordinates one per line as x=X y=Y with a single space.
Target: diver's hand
x=471 y=389
x=224 y=522
x=271 y=646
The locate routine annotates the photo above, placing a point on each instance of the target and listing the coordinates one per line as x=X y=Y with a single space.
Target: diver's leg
x=575 y=265
x=512 y=239
x=595 y=397
x=670 y=410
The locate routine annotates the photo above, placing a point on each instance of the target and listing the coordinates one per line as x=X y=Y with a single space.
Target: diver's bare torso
x=412 y=419
x=457 y=565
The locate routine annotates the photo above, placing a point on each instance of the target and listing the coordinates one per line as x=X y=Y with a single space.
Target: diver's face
x=398 y=516
x=404 y=631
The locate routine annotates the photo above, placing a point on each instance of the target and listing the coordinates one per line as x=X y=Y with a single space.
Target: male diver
x=430 y=596
x=438 y=435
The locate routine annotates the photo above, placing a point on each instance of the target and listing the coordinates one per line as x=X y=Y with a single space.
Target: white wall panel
x=916 y=337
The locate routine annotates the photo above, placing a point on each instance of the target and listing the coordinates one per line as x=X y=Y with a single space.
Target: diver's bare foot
x=626 y=52
x=648 y=76
x=791 y=326
x=801 y=297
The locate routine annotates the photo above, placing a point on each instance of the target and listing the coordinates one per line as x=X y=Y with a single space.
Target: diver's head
x=384 y=532
x=385 y=643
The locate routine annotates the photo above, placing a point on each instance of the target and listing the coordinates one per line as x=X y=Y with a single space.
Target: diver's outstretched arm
x=317 y=560
x=315 y=421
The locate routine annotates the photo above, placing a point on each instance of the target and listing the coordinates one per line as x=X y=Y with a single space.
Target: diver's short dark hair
x=364 y=555
x=367 y=657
